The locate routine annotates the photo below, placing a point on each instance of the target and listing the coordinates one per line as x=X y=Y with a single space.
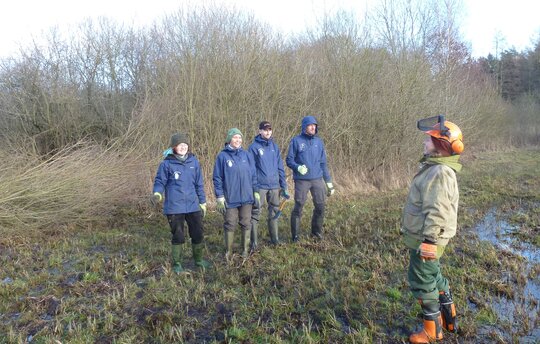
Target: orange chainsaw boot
x=431 y=331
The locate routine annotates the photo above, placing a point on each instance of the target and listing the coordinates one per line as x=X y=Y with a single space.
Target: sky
x=515 y=22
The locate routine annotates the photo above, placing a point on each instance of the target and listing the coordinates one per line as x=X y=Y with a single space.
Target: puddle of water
x=501 y=234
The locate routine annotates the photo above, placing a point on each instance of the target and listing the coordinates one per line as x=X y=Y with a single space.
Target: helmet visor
x=433 y=123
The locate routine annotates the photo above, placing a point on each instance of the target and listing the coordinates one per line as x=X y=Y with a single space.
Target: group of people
x=244 y=180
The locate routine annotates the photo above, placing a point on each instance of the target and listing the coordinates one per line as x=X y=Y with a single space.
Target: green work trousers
x=426 y=280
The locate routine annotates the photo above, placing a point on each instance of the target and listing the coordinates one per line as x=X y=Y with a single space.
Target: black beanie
x=179 y=138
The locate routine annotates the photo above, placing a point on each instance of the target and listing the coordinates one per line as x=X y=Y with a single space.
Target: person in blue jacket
x=271 y=179
x=307 y=159
x=236 y=190
x=179 y=182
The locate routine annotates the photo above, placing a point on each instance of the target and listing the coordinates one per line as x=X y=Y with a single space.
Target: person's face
x=236 y=141
x=265 y=133
x=311 y=129
x=181 y=149
x=429 y=147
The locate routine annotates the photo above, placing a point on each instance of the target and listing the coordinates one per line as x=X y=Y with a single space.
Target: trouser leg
x=255 y=216
x=245 y=221
x=176 y=222
x=273 y=207
x=195 y=226
x=301 y=188
x=318 y=193
x=230 y=222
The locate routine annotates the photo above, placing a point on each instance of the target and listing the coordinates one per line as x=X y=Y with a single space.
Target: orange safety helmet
x=443 y=130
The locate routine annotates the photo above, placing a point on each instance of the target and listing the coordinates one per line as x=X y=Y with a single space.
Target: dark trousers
x=232 y=216
x=195 y=227
x=317 y=188
x=267 y=196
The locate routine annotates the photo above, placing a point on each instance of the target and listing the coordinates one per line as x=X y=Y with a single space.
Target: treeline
x=517 y=79
x=123 y=91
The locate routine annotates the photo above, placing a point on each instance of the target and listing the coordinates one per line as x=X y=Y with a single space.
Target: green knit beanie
x=231 y=133
x=179 y=138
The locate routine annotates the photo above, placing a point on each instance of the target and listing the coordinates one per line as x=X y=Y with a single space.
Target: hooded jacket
x=308 y=150
x=181 y=182
x=234 y=177
x=432 y=205
x=268 y=164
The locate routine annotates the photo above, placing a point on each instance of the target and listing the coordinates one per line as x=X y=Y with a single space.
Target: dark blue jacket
x=308 y=150
x=181 y=183
x=234 y=177
x=268 y=164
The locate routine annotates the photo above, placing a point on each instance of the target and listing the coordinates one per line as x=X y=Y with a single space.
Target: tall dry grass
x=81 y=183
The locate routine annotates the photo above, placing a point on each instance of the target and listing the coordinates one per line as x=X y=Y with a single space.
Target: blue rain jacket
x=234 y=177
x=308 y=150
x=181 y=183
x=268 y=164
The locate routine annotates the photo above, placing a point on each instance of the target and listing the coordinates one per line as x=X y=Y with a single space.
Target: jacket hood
x=261 y=140
x=307 y=121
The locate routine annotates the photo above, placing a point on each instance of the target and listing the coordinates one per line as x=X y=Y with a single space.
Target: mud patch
x=522 y=311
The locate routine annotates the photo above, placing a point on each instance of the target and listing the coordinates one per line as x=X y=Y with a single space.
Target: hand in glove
x=155 y=199
x=220 y=206
x=329 y=189
x=257 y=203
x=203 y=209
x=428 y=250
x=302 y=169
x=285 y=194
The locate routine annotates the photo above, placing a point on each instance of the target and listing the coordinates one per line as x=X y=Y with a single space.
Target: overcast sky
x=518 y=21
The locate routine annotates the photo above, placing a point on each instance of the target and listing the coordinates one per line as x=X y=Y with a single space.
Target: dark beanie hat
x=231 y=133
x=442 y=146
x=179 y=138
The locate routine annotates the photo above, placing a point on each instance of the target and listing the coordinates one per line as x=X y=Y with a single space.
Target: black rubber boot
x=295 y=228
x=254 y=236
x=448 y=311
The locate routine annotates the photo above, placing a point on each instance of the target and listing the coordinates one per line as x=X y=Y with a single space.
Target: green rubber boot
x=229 y=240
x=198 y=256
x=273 y=231
x=246 y=236
x=176 y=258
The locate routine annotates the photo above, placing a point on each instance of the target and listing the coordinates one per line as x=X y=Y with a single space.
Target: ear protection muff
x=457 y=146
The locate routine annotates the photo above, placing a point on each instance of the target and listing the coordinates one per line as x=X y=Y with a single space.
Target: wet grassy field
x=114 y=285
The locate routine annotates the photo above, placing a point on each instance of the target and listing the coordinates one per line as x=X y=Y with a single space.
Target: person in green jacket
x=429 y=221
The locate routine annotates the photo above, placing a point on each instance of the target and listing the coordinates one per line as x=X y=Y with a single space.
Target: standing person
x=271 y=178
x=429 y=222
x=179 y=181
x=307 y=159
x=236 y=190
